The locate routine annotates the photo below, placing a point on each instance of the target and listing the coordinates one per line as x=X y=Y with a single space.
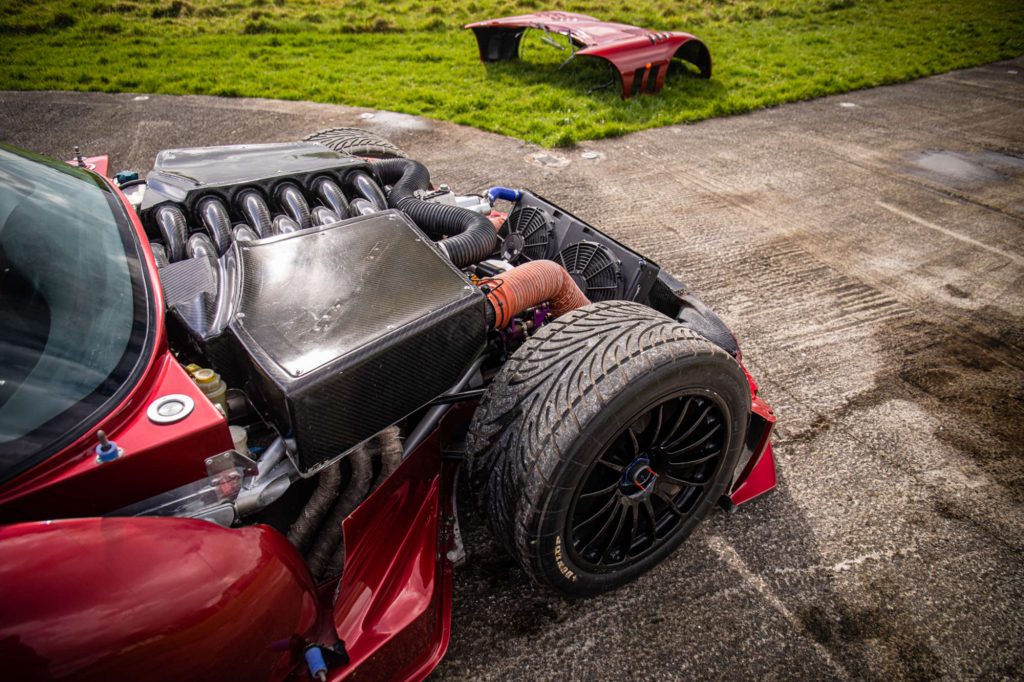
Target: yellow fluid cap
x=204 y=376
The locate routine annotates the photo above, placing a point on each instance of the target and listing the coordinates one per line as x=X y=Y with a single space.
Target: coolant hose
x=319 y=503
x=471 y=236
x=330 y=537
x=528 y=285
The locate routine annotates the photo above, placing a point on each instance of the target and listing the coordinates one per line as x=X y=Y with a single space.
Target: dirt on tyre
x=357 y=142
x=603 y=442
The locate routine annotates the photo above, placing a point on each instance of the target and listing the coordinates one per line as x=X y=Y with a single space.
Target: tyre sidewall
x=715 y=375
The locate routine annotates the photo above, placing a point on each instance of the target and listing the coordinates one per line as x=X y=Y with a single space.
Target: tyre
x=603 y=442
x=357 y=142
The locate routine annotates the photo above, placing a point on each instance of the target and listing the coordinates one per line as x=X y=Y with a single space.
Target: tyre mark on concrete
x=950 y=233
x=728 y=555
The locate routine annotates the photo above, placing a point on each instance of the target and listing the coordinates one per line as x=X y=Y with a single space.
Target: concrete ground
x=868 y=250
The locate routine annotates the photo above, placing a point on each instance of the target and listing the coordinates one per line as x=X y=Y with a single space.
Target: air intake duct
x=471 y=236
x=529 y=285
x=173 y=230
x=218 y=225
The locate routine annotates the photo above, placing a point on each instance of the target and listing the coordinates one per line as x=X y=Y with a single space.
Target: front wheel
x=603 y=442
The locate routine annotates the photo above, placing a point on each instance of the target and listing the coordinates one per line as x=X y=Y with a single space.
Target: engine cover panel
x=351 y=327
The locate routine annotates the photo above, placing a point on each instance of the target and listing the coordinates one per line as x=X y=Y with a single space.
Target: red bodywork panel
x=150 y=599
x=394 y=607
x=156 y=457
x=758 y=475
x=640 y=56
x=97 y=164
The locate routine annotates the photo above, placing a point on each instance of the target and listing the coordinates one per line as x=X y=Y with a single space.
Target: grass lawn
x=412 y=56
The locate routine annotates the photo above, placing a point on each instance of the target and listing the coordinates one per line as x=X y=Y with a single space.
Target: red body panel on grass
x=640 y=56
x=172 y=598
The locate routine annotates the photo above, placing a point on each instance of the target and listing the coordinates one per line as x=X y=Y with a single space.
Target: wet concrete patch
x=954 y=168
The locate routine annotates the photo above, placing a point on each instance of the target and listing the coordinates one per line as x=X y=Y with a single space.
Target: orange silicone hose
x=529 y=285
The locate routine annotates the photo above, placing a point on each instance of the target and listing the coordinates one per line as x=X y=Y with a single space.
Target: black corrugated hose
x=471 y=236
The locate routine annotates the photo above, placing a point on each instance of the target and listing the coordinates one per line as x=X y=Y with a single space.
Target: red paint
x=757 y=479
x=628 y=48
x=394 y=607
x=157 y=457
x=97 y=164
x=758 y=476
x=150 y=599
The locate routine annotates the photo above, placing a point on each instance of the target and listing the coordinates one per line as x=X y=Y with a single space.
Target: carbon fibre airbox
x=347 y=329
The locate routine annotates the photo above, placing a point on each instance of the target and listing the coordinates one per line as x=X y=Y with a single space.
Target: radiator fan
x=593 y=268
x=526 y=235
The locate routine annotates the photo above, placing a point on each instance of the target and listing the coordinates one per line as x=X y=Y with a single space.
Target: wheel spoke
x=602 y=491
x=703 y=439
x=679 y=419
x=617 y=468
x=677 y=441
x=634 y=527
x=603 y=510
x=684 y=481
x=617 y=513
x=657 y=424
x=635 y=442
x=673 y=464
x=664 y=497
x=649 y=508
x=615 y=533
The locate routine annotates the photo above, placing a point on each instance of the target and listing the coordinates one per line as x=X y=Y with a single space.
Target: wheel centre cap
x=638 y=479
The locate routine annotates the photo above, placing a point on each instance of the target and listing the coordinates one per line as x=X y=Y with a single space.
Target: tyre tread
x=357 y=142
x=546 y=394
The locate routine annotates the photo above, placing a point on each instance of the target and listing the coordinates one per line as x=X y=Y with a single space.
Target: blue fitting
x=495 y=193
x=124 y=176
x=315 y=662
x=106 y=453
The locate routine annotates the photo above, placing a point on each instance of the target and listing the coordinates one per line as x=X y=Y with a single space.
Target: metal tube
x=433 y=416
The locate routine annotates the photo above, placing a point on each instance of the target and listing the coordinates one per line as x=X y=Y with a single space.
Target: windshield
x=72 y=304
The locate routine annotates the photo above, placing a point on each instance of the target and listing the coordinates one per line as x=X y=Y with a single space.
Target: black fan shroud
x=527 y=235
x=593 y=267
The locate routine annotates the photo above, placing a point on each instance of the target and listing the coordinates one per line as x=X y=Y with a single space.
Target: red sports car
x=235 y=396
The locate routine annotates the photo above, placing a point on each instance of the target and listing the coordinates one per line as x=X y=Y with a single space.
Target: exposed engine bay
x=334 y=308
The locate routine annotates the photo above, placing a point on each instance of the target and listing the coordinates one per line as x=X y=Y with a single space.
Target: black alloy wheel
x=647 y=482
x=603 y=442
